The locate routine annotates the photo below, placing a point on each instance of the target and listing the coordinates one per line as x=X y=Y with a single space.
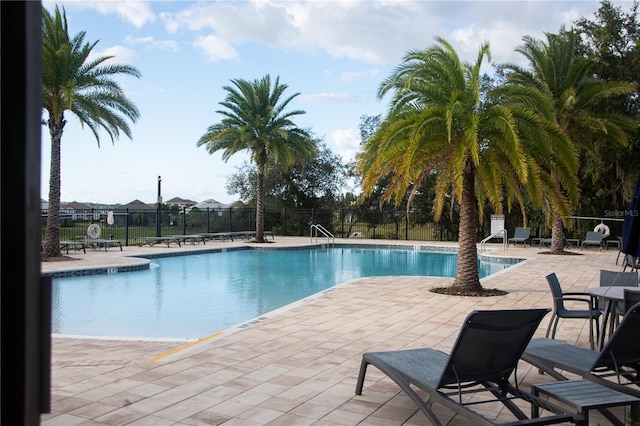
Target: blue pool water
x=197 y=295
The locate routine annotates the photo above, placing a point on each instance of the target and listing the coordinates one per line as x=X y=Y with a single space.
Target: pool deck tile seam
x=299 y=365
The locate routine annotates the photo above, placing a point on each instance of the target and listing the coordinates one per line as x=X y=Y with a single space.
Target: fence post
x=406 y=225
x=184 y=222
x=158 y=212
x=208 y=221
x=126 y=227
x=284 y=222
x=373 y=222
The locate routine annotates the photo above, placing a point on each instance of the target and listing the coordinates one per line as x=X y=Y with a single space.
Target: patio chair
x=483 y=358
x=521 y=235
x=561 y=311
x=631 y=262
x=631 y=297
x=616 y=366
x=617 y=279
x=593 y=238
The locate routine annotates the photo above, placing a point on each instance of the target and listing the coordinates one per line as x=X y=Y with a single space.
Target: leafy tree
x=566 y=79
x=611 y=40
x=86 y=88
x=255 y=120
x=317 y=183
x=440 y=122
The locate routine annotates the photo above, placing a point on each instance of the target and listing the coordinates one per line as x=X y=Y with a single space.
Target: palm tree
x=255 y=120
x=72 y=82
x=568 y=81
x=441 y=122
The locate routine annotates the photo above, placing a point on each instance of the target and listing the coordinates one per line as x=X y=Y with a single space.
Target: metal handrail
x=494 y=235
x=319 y=228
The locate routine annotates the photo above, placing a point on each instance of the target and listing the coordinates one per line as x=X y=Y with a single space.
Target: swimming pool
x=196 y=295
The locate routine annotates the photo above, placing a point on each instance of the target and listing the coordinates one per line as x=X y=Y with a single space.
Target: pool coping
x=144 y=262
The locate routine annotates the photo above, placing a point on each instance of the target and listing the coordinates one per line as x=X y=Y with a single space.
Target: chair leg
x=553 y=325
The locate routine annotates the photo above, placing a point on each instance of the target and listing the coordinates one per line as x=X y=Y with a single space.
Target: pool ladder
x=501 y=233
x=322 y=230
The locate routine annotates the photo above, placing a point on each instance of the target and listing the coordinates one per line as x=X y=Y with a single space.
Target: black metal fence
x=127 y=225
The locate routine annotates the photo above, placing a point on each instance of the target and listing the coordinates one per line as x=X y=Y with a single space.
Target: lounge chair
x=586 y=310
x=616 y=366
x=521 y=235
x=593 y=238
x=93 y=239
x=482 y=359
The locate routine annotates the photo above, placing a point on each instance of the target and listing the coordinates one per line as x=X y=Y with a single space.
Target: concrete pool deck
x=298 y=365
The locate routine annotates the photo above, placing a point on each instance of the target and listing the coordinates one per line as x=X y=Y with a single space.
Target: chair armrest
x=589 y=301
x=576 y=293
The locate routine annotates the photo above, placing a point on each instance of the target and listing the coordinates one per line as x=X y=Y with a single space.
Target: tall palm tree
x=557 y=72
x=441 y=122
x=71 y=82
x=255 y=120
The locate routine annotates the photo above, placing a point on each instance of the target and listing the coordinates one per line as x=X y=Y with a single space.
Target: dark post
x=406 y=225
x=23 y=338
x=284 y=221
x=159 y=207
x=126 y=228
x=373 y=222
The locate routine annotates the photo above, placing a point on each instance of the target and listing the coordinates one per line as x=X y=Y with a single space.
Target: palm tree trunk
x=467 y=278
x=557 y=235
x=52 y=231
x=259 y=209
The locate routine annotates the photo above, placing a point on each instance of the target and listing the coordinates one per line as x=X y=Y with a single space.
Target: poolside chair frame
x=589 y=312
x=520 y=235
x=616 y=366
x=470 y=368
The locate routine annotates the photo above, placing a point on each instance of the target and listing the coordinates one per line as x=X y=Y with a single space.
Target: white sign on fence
x=497 y=223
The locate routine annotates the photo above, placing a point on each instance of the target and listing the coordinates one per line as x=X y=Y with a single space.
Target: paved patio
x=299 y=365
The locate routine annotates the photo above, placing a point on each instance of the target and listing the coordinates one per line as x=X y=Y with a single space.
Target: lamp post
x=159 y=206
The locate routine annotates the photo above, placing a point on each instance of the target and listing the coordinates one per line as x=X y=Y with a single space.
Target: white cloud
x=215 y=48
x=345 y=142
x=378 y=31
x=121 y=54
x=151 y=42
x=138 y=13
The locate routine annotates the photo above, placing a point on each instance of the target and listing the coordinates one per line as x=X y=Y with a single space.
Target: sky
x=334 y=54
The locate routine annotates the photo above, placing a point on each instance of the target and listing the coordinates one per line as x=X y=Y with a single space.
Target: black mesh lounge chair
x=521 y=235
x=593 y=238
x=616 y=366
x=586 y=310
x=483 y=359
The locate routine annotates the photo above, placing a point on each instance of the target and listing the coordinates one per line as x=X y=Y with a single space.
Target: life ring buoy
x=93 y=232
x=603 y=229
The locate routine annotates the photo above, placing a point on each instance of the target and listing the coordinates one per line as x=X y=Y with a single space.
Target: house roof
x=75 y=206
x=210 y=204
x=181 y=201
x=137 y=204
